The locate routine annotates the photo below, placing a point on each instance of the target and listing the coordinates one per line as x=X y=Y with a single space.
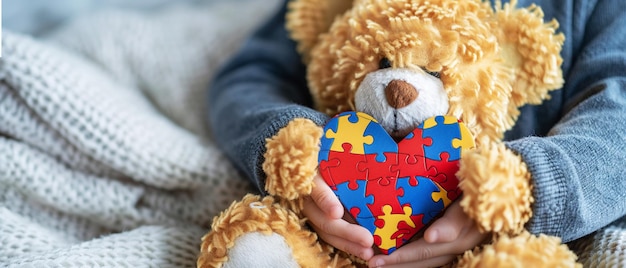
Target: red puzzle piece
x=406 y=232
x=325 y=168
x=385 y=192
x=414 y=143
x=411 y=161
x=444 y=173
x=379 y=170
x=410 y=166
x=348 y=170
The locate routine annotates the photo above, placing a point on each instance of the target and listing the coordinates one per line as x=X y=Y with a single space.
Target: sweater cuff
x=549 y=184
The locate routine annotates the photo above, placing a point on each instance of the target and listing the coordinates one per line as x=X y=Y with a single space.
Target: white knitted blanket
x=104 y=156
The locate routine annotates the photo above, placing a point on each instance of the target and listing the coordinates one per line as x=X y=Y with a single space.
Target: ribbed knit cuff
x=549 y=185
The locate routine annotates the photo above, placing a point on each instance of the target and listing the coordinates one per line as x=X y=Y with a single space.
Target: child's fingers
x=348 y=237
x=328 y=227
x=421 y=252
x=325 y=199
x=325 y=213
x=448 y=227
x=415 y=253
x=355 y=249
x=434 y=262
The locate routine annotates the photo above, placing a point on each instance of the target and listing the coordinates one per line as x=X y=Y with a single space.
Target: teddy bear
x=402 y=62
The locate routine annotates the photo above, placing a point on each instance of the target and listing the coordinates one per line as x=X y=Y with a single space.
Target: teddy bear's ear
x=532 y=49
x=308 y=19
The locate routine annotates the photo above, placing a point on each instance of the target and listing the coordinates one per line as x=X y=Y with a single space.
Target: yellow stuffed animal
x=465 y=59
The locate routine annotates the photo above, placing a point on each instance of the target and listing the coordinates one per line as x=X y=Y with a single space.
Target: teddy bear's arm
x=291 y=159
x=496 y=188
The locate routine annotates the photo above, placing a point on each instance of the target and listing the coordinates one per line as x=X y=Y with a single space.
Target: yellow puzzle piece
x=391 y=225
x=351 y=133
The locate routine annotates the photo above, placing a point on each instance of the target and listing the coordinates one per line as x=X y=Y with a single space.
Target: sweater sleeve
x=256 y=94
x=579 y=168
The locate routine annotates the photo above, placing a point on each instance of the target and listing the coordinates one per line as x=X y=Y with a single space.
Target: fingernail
x=379 y=263
x=433 y=236
x=335 y=212
x=368 y=254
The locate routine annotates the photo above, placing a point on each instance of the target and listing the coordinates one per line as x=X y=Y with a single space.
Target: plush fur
x=254 y=214
x=524 y=250
x=487 y=62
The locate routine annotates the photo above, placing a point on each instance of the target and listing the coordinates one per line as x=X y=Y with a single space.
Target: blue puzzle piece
x=323 y=155
x=353 y=117
x=325 y=142
x=442 y=136
x=367 y=222
x=383 y=143
x=420 y=197
x=333 y=124
x=355 y=198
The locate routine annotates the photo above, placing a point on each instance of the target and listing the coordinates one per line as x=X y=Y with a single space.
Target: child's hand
x=443 y=241
x=325 y=213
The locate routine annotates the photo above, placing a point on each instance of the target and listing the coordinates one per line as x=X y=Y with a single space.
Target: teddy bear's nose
x=400 y=93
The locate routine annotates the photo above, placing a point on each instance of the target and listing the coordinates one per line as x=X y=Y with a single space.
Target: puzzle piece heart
x=393 y=189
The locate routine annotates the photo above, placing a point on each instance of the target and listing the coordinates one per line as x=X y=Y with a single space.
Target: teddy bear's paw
x=291 y=159
x=260 y=250
x=496 y=188
x=524 y=250
x=259 y=231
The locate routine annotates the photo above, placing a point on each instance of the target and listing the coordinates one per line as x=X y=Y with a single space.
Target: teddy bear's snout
x=400 y=94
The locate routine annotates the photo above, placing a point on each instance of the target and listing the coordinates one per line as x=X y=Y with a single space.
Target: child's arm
x=579 y=168
x=256 y=94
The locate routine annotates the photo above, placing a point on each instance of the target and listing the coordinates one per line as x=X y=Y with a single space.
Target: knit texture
x=604 y=248
x=104 y=157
